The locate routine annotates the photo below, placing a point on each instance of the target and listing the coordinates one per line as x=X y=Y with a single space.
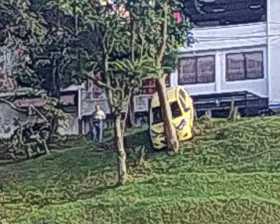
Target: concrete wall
x=71 y=127
x=231 y=36
x=273 y=29
x=7 y=116
x=219 y=41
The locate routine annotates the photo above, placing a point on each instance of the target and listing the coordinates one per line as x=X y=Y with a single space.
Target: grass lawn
x=229 y=174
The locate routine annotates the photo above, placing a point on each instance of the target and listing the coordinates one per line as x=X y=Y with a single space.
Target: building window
x=199 y=69
x=149 y=85
x=242 y=66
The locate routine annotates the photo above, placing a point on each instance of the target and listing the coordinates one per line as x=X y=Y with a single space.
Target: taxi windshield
x=157 y=115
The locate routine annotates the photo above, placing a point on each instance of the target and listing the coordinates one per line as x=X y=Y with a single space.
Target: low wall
x=7 y=116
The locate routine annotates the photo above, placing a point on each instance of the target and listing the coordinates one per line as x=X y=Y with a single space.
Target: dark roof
x=223 y=12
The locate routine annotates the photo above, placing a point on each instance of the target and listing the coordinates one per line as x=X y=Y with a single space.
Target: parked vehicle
x=182 y=116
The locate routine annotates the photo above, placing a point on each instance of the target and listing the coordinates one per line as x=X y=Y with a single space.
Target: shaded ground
x=228 y=174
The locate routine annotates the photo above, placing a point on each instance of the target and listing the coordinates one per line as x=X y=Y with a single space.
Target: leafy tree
x=121 y=44
x=163 y=30
x=43 y=39
x=19 y=25
x=19 y=22
x=116 y=45
x=114 y=55
x=166 y=31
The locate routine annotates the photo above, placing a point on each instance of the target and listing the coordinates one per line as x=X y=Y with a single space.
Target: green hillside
x=228 y=174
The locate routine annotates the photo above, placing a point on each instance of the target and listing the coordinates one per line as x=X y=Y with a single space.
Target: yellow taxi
x=181 y=105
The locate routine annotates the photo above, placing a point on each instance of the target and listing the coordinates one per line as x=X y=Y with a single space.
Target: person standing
x=98 y=118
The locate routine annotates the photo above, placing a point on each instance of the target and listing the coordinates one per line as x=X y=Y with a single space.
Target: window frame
x=196 y=57
x=179 y=109
x=149 y=85
x=245 y=65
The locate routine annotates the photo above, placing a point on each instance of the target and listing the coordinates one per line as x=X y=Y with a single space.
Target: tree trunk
x=170 y=132
x=131 y=113
x=119 y=137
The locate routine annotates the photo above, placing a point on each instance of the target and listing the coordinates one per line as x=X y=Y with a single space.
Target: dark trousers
x=97 y=131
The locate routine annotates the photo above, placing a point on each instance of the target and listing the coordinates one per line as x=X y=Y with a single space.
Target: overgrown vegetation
x=116 y=44
x=229 y=173
x=33 y=135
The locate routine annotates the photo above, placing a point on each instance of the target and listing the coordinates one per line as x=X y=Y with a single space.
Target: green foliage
x=20 y=22
x=122 y=44
x=60 y=40
x=52 y=111
x=42 y=39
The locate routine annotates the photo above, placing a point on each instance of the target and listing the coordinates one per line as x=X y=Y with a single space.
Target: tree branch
x=112 y=46
x=39 y=113
x=164 y=35
x=13 y=106
x=100 y=83
x=126 y=113
x=132 y=41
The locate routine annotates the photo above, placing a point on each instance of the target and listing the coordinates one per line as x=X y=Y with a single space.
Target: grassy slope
x=229 y=174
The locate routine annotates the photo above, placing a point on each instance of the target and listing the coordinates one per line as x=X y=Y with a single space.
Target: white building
x=234 y=54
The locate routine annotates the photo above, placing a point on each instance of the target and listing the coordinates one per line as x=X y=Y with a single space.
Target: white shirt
x=99 y=115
